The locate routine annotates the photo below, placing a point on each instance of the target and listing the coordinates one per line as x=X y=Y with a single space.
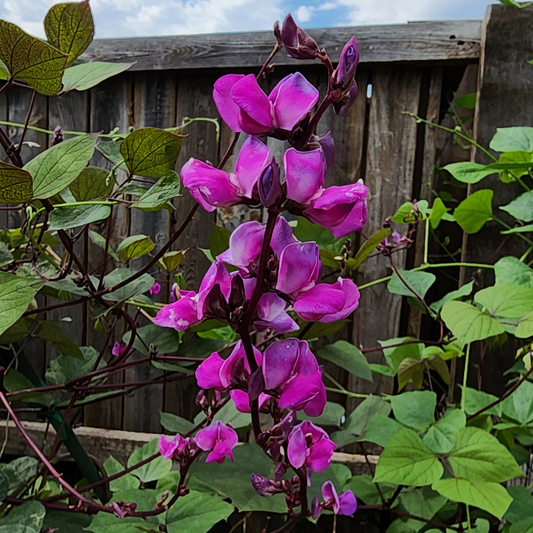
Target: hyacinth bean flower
x=118 y=348
x=298 y=43
x=344 y=77
x=168 y=449
x=242 y=400
x=188 y=309
x=220 y=374
x=310 y=446
x=245 y=107
x=291 y=370
x=220 y=439
x=155 y=289
x=213 y=188
x=346 y=504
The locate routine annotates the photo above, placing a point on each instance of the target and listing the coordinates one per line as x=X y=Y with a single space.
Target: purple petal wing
x=228 y=109
x=304 y=173
x=247 y=94
x=253 y=158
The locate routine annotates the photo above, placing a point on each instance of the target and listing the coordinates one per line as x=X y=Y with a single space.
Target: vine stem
x=465 y=377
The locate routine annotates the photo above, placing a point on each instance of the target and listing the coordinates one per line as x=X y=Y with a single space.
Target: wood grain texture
x=420 y=41
x=389 y=177
x=154 y=106
x=194 y=100
x=110 y=107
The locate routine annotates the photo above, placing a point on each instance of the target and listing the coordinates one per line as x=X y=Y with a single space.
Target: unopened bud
x=298 y=43
x=256 y=384
x=315 y=508
x=58 y=136
x=237 y=296
x=280 y=471
x=269 y=186
x=201 y=400
x=215 y=304
x=345 y=72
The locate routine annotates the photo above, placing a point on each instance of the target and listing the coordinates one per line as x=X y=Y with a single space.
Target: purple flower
x=345 y=71
x=310 y=446
x=155 y=289
x=299 y=268
x=271 y=314
x=342 y=209
x=345 y=505
x=118 y=349
x=298 y=43
x=118 y=510
x=315 y=508
x=218 y=438
x=328 y=303
x=168 y=448
x=213 y=188
x=263 y=485
x=244 y=106
x=291 y=370
x=242 y=400
x=304 y=174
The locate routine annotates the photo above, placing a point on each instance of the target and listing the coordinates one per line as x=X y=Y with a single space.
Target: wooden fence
x=413 y=67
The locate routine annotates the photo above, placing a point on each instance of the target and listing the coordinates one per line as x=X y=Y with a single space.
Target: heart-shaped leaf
x=87 y=75
x=16 y=185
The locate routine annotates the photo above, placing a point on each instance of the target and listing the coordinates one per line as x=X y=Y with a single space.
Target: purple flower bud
x=315 y=508
x=345 y=72
x=298 y=43
x=201 y=400
x=118 y=510
x=341 y=106
x=215 y=305
x=58 y=136
x=118 y=348
x=132 y=506
x=280 y=471
x=262 y=485
x=155 y=289
x=256 y=384
x=269 y=186
x=238 y=294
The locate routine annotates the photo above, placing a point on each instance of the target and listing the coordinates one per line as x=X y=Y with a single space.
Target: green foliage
x=474 y=211
x=87 y=75
x=74 y=216
x=52 y=333
x=521 y=208
x=419 y=282
x=156 y=469
x=441 y=436
x=135 y=246
x=367 y=248
x=29 y=516
x=16 y=185
x=164 y=190
x=175 y=424
x=347 y=356
x=515 y=139
x=218 y=240
x=91 y=184
x=171 y=261
x=140 y=285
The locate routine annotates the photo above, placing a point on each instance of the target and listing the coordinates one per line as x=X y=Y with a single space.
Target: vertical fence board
x=194 y=100
x=110 y=107
x=155 y=106
x=389 y=177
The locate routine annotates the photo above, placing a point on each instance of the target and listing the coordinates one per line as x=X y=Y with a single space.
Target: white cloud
x=304 y=13
x=327 y=6
x=146 y=15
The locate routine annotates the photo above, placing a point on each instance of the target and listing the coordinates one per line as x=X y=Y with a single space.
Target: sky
x=136 y=18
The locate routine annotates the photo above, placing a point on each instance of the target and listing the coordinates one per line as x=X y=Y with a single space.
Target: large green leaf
x=151 y=152
x=406 y=460
x=29 y=515
x=401 y=348
x=100 y=241
x=16 y=293
x=519 y=406
x=347 y=356
x=380 y=429
x=521 y=208
x=19 y=471
x=467 y=172
x=166 y=188
x=488 y=496
x=306 y=231
x=31 y=60
x=366 y=491
x=197 y=512
x=74 y=216
x=478 y=455
x=152 y=471
x=524 y=328
x=140 y=285
x=465 y=290
x=70 y=28
x=420 y=282
x=468 y=323
x=175 y=424
x=135 y=246
x=125 y=482
x=415 y=409
x=66 y=368
x=16 y=185
x=367 y=248
x=87 y=75
x=92 y=183
x=474 y=211
x=477 y=400
x=52 y=333
x=515 y=139
x=511 y=271
x=59 y=166
x=522 y=506
x=508 y=301
x=442 y=435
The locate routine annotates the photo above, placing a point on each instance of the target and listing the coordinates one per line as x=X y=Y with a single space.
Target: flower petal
x=206 y=438
x=320 y=455
x=179 y=315
x=297 y=448
x=351 y=294
x=320 y=301
x=244 y=245
x=247 y=94
x=282 y=236
x=279 y=360
x=304 y=173
x=299 y=267
x=271 y=314
x=220 y=451
x=301 y=390
x=347 y=503
x=228 y=109
x=208 y=373
x=253 y=158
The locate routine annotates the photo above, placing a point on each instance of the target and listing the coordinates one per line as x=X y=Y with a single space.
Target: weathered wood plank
x=194 y=100
x=389 y=177
x=155 y=106
x=111 y=106
x=420 y=41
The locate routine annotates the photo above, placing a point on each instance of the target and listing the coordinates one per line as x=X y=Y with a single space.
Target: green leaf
x=521 y=208
x=229 y=415
x=170 y=261
x=406 y=460
x=16 y=293
x=319 y=329
x=465 y=290
x=4 y=485
x=424 y=503
x=135 y=246
x=468 y=323
x=59 y=166
x=151 y=152
x=92 y=183
x=474 y=211
x=6 y=256
x=166 y=188
x=140 y=285
x=437 y=212
x=380 y=430
x=330 y=259
x=65 y=368
x=365 y=489
x=87 y=75
x=31 y=60
x=19 y=471
x=522 y=504
x=52 y=333
x=125 y=482
x=152 y=471
x=68 y=217
x=528 y=228
x=407 y=214
x=16 y=186
x=420 y=282
x=525 y=327
x=402 y=348
x=69 y=27
x=347 y=356
x=511 y=271
x=111 y=151
x=524 y=160
x=197 y=513
x=490 y=497
x=331 y=416
x=411 y=370
x=467 y=101
x=368 y=247
x=519 y=406
x=467 y=172
x=476 y=400
x=357 y=423
x=508 y=301
x=516 y=139
x=162 y=340
x=414 y=409
x=219 y=240
x=29 y=515
x=175 y=424
x=526 y=525
x=100 y=241
x=441 y=436
x=479 y=455
x=306 y=231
